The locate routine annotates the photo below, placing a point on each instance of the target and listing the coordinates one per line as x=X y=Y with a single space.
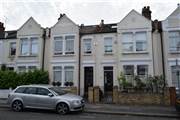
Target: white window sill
x=174 y=52
x=142 y=52
x=12 y=56
x=87 y=54
x=64 y=55
x=27 y=55
x=108 y=53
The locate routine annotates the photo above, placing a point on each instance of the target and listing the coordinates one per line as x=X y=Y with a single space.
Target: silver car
x=44 y=97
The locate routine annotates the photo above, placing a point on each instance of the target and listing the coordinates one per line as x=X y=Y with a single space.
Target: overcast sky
x=46 y=12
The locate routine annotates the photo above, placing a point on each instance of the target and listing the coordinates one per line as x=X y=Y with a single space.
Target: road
x=7 y=114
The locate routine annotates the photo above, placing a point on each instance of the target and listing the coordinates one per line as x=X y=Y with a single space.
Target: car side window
x=42 y=91
x=20 y=90
x=30 y=90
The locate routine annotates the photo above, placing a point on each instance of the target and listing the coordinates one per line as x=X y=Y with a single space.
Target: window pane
x=127 y=37
x=108 y=44
x=34 y=46
x=57 y=73
x=175 y=75
x=174 y=43
x=42 y=91
x=127 y=47
x=141 y=36
x=128 y=69
x=87 y=46
x=12 y=48
x=69 y=43
x=69 y=73
x=24 y=46
x=30 y=90
x=22 y=69
x=141 y=41
x=31 y=68
x=142 y=70
x=129 y=73
x=141 y=46
x=58 y=46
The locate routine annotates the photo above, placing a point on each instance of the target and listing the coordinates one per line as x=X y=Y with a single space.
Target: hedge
x=11 y=79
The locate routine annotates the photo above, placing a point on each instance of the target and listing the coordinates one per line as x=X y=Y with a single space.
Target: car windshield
x=58 y=90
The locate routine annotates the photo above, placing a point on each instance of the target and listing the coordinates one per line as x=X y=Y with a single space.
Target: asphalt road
x=7 y=114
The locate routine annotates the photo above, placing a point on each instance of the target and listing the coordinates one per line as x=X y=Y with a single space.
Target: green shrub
x=11 y=79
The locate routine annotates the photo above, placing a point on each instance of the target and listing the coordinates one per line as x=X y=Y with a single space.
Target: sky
x=14 y=13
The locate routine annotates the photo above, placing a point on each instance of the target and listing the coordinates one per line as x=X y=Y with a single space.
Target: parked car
x=177 y=105
x=44 y=97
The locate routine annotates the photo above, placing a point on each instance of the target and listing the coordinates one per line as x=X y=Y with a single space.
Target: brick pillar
x=172 y=91
x=96 y=94
x=115 y=94
x=90 y=95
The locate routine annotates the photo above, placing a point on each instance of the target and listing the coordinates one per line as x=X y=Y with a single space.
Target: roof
x=11 y=34
x=96 y=29
x=8 y=34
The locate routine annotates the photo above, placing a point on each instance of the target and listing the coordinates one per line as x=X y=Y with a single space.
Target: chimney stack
x=146 y=12
x=61 y=15
x=2 y=28
x=102 y=23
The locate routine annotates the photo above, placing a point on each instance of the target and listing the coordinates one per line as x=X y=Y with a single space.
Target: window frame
x=29 y=46
x=85 y=42
x=170 y=41
x=134 y=41
x=66 y=40
x=10 y=48
x=60 y=40
x=107 y=46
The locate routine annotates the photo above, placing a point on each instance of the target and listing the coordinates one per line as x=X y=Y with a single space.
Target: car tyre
x=62 y=108
x=17 y=106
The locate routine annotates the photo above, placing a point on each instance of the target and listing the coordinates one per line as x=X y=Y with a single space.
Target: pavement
x=132 y=110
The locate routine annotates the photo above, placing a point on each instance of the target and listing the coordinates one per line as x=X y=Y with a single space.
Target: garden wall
x=141 y=98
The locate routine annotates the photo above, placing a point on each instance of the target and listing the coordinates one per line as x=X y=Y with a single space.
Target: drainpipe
x=79 y=69
x=162 y=50
x=44 y=43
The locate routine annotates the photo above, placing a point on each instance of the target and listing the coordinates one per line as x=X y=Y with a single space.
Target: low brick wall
x=141 y=98
x=72 y=90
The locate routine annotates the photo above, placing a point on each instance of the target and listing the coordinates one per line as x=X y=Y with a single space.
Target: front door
x=88 y=79
x=108 y=79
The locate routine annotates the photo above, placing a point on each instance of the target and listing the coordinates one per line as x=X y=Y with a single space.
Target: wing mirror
x=50 y=95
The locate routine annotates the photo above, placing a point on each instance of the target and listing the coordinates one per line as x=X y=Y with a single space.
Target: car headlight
x=76 y=102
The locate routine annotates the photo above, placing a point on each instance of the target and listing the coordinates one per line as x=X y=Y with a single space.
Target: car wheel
x=17 y=106
x=62 y=108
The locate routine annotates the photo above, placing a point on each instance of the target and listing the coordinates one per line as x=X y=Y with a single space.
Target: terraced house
x=94 y=55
